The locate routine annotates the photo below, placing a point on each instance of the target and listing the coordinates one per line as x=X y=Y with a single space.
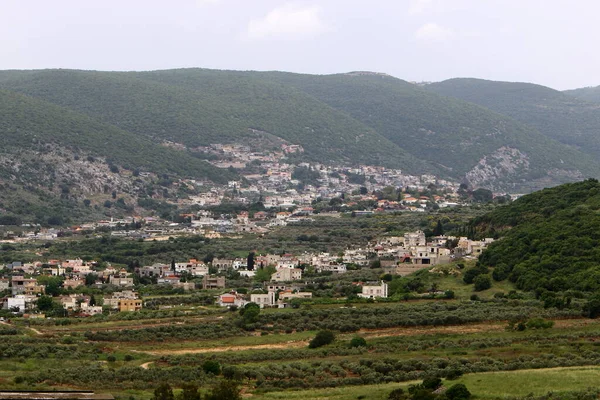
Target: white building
x=287 y=275
x=373 y=291
x=263 y=300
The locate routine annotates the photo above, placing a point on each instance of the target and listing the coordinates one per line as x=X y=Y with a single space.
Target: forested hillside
x=198 y=109
x=556 y=115
x=548 y=240
x=591 y=94
x=31 y=124
x=459 y=137
x=53 y=160
x=355 y=118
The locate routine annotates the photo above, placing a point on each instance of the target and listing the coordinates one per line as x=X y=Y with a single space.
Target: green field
x=487 y=385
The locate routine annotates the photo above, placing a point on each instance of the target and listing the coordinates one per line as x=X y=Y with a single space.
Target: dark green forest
x=549 y=240
x=344 y=118
x=567 y=119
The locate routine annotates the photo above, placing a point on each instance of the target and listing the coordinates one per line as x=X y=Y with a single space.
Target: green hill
x=54 y=160
x=459 y=137
x=553 y=113
x=200 y=107
x=548 y=239
x=346 y=118
x=591 y=94
x=29 y=123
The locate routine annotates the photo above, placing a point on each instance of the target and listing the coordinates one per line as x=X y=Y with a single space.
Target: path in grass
x=287 y=345
x=297 y=340
x=146 y=365
x=367 y=333
x=28 y=327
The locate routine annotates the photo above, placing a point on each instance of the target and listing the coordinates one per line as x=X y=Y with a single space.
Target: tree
x=250 y=261
x=322 y=338
x=432 y=383
x=458 y=392
x=92 y=301
x=211 y=367
x=397 y=394
x=482 y=195
x=90 y=279
x=250 y=313
x=45 y=303
x=173 y=265
x=482 y=282
x=439 y=229
x=163 y=392
x=264 y=274
x=189 y=392
x=592 y=308
x=358 y=341
x=225 y=390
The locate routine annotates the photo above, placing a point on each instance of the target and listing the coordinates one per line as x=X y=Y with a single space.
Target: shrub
x=539 y=323
x=128 y=357
x=322 y=338
x=163 y=392
x=111 y=358
x=397 y=394
x=453 y=374
x=189 y=392
x=225 y=390
x=458 y=392
x=358 y=341
x=482 y=282
x=432 y=383
x=211 y=367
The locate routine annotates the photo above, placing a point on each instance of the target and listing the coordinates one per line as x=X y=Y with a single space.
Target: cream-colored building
x=287 y=275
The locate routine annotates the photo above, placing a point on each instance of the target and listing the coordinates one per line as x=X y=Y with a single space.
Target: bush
x=458 y=392
x=453 y=374
x=432 y=383
x=323 y=338
x=358 y=341
x=449 y=294
x=482 y=282
x=111 y=358
x=225 y=390
x=397 y=394
x=163 y=392
x=211 y=367
x=539 y=323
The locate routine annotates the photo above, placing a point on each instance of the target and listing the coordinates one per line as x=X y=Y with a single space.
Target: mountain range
x=498 y=135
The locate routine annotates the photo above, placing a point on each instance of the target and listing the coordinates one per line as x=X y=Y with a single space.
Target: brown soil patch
x=431 y=330
x=287 y=345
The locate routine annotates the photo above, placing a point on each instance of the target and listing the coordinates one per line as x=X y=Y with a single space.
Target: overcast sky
x=550 y=42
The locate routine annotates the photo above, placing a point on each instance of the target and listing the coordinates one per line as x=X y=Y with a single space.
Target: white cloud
x=434 y=33
x=288 y=21
x=419 y=6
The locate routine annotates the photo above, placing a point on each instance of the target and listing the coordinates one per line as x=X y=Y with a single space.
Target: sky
x=549 y=42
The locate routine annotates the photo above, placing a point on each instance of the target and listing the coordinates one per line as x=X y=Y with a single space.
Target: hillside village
x=86 y=288
x=273 y=191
